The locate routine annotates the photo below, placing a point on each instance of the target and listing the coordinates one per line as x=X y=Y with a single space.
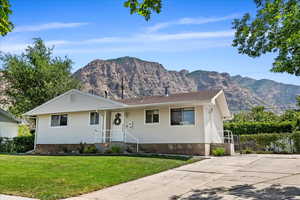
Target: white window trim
x=68 y=120
x=186 y=125
x=155 y=123
x=89 y=122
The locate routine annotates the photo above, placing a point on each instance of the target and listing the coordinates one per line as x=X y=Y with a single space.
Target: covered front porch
x=113 y=128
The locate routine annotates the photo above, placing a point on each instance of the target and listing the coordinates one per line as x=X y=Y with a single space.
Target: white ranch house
x=184 y=123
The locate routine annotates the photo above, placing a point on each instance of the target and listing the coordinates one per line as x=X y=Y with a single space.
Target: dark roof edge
x=10 y=116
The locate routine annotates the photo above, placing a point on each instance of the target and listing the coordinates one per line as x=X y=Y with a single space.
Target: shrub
x=275 y=142
x=296 y=140
x=218 y=152
x=90 y=149
x=6 y=145
x=241 y=128
x=116 y=149
x=19 y=144
x=24 y=130
x=23 y=144
x=247 y=151
x=81 y=147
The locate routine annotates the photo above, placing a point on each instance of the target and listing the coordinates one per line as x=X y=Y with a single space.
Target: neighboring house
x=9 y=125
x=184 y=123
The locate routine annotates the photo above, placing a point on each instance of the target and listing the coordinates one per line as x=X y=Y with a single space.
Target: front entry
x=117 y=127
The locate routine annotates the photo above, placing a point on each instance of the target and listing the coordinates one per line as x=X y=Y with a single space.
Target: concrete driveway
x=236 y=177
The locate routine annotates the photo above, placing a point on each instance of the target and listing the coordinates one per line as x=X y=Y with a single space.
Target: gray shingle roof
x=9 y=116
x=178 y=97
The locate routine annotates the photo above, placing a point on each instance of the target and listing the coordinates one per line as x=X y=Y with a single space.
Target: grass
x=55 y=177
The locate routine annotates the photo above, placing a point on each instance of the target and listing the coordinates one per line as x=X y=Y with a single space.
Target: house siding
x=8 y=129
x=77 y=131
x=216 y=131
x=163 y=132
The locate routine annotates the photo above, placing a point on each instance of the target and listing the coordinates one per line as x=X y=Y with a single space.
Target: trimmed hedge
x=23 y=143
x=241 y=128
x=296 y=139
x=273 y=142
x=19 y=144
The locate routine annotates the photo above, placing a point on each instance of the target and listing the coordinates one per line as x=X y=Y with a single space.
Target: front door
x=117 y=127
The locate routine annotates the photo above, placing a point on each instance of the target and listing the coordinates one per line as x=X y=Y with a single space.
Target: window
x=152 y=116
x=182 y=116
x=94 y=118
x=59 y=120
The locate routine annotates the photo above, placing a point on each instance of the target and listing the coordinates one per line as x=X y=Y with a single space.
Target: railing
x=228 y=136
x=109 y=136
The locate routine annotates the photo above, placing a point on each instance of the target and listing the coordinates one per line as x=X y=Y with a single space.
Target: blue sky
x=187 y=34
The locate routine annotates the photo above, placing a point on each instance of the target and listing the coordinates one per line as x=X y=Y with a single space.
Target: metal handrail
x=228 y=136
x=125 y=134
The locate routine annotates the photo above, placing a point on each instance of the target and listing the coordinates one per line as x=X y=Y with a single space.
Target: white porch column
x=104 y=117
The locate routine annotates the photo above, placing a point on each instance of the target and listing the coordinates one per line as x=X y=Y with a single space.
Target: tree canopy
x=144 y=7
x=276 y=29
x=257 y=114
x=5 y=25
x=35 y=77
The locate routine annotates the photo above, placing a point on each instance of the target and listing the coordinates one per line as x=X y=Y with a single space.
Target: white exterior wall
x=8 y=129
x=78 y=130
x=213 y=124
x=206 y=129
x=164 y=132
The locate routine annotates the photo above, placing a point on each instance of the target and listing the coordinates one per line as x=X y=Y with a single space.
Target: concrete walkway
x=7 y=197
x=268 y=177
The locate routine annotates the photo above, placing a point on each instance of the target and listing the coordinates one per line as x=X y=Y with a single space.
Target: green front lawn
x=55 y=177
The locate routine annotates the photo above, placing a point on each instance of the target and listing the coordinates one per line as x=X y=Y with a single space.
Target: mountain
x=143 y=78
x=140 y=78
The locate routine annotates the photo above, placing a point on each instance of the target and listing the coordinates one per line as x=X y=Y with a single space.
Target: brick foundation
x=59 y=148
x=183 y=148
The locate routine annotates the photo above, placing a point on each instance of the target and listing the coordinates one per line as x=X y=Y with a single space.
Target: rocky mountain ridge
x=144 y=78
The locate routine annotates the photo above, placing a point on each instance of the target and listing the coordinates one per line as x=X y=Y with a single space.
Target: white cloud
x=189 y=35
x=187 y=20
x=139 y=41
x=48 y=26
x=146 y=38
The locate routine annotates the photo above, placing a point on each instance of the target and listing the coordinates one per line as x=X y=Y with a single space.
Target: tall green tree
x=274 y=29
x=144 y=7
x=257 y=114
x=35 y=77
x=5 y=24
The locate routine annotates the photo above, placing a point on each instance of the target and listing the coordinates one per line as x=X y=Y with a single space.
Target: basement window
x=59 y=120
x=182 y=116
x=94 y=118
x=151 y=116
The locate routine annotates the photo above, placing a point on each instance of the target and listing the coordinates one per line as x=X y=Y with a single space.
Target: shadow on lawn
x=273 y=192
